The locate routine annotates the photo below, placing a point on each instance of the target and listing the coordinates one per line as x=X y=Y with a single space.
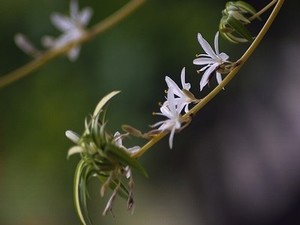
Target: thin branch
x=226 y=80
x=97 y=29
x=262 y=11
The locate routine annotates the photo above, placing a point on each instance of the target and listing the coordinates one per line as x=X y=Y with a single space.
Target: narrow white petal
x=74 y=53
x=205 y=67
x=203 y=61
x=157 y=124
x=216 y=43
x=206 y=76
x=186 y=108
x=171 y=137
x=164 y=109
x=186 y=86
x=206 y=47
x=224 y=56
x=171 y=101
x=47 y=41
x=84 y=16
x=62 y=40
x=61 y=22
x=118 y=139
x=219 y=77
x=172 y=85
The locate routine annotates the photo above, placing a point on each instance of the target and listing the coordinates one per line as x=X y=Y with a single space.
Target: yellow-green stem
x=226 y=80
x=97 y=29
x=262 y=11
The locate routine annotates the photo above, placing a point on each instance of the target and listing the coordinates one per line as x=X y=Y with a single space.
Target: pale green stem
x=226 y=80
x=262 y=11
x=97 y=29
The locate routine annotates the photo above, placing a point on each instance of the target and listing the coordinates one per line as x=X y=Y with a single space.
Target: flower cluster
x=211 y=61
x=103 y=156
x=236 y=16
x=179 y=99
x=72 y=28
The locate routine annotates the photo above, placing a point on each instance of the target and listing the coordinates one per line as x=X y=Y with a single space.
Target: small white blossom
x=170 y=110
x=211 y=60
x=118 y=140
x=182 y=100
x=72 y=28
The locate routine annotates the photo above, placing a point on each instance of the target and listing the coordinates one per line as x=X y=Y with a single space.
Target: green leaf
x=124 y=157
x=80 y=193
x=95 y=130
x=239 y=28
x=103 y=101
x=232 y=38
x=74 y=150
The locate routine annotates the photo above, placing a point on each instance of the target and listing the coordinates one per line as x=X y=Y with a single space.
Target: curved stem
x=226 y=80
x=262 y=11
x=99 y=28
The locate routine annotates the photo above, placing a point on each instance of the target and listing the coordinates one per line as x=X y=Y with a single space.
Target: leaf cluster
x=103 y=159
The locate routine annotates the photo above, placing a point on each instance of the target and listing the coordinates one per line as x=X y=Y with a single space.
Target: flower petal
x=206 y=76
x=203 y=61
x=61 y=22
x=84 y=16
x=186 y=86
x=216 y=43
x=172 y=85
x=223 y=56
x=74 y=53
x=219 y=77
x=171 y=137
x=206 y=47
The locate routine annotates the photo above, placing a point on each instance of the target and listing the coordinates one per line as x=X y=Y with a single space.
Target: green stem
x=99 y=28
x=226 y=80
x=262 y=11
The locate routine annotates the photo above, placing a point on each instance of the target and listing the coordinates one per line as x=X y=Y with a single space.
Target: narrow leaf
x=124 y=157
x=103 y=101
x=79 y=192
x=74 y=150
x=239 y=28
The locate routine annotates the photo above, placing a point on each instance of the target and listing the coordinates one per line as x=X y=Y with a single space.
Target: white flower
x=170 y=110
x=118 y=140
x=182 y=100
x=212 y=60
x=72 y=28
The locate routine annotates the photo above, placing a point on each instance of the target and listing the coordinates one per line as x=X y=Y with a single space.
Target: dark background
x=238 y=161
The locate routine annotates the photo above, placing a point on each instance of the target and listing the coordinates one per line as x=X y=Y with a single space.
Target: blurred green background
x=237 y=163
